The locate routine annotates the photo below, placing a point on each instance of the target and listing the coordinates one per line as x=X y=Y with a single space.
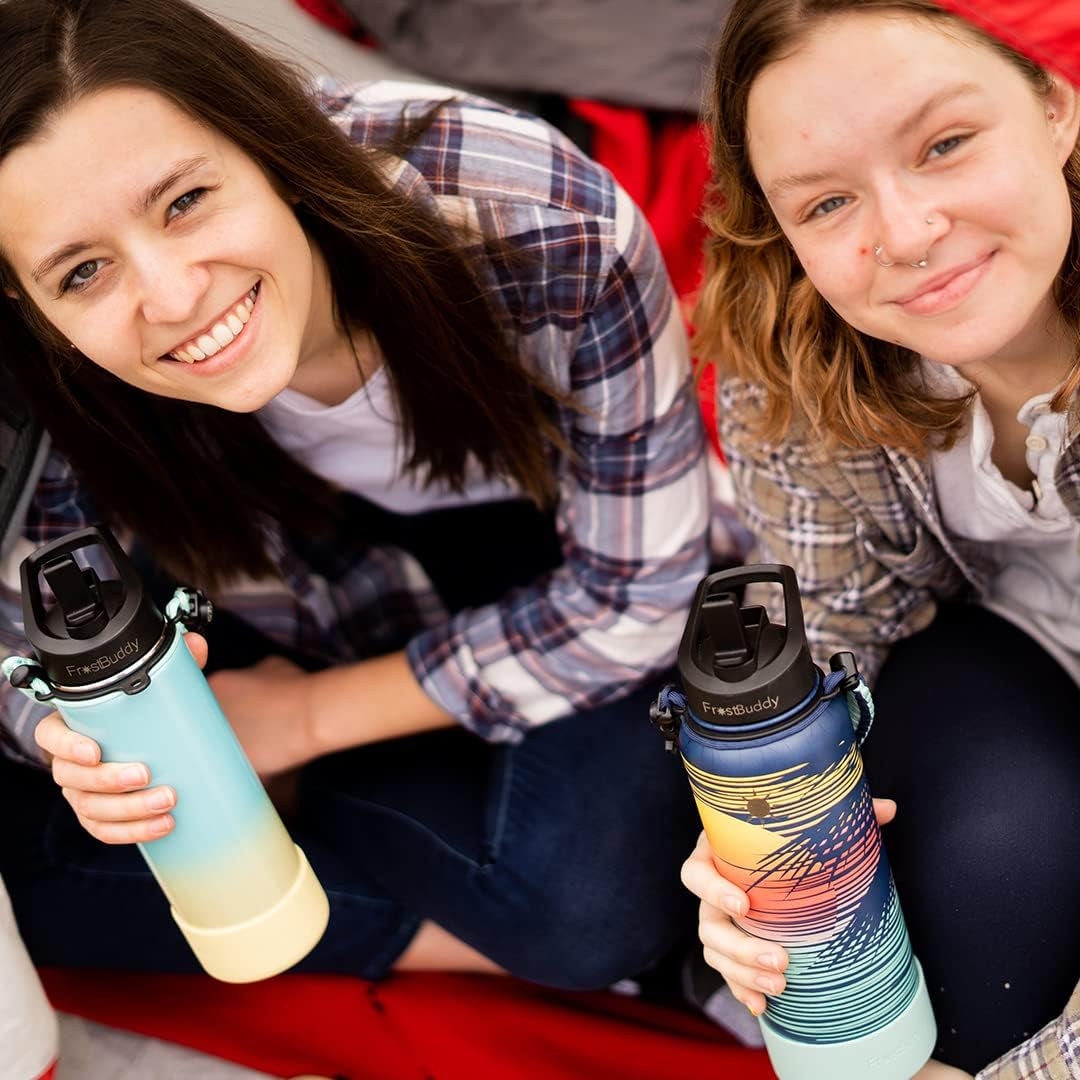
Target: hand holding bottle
x=751 y=967
x=115 y=802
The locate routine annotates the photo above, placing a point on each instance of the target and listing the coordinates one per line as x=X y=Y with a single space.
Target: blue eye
x=184 y=203
x=81 y=276
x=828 y=206
x=946 y=146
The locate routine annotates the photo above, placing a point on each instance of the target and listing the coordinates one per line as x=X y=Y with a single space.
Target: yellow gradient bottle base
x=269 y=943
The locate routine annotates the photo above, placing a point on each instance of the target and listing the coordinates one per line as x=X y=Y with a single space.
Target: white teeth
x=208 y=345
x=221 y=334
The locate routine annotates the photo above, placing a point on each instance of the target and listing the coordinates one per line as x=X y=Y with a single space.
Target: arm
x=631 y=517
x=1052 y=1053
x=58 y=506
x=826 y=521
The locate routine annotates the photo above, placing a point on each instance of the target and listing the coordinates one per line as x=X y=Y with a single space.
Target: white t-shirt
x=357 y=445
x=1031 y=533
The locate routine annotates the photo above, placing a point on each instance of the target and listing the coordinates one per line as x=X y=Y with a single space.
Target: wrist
x=316 y=732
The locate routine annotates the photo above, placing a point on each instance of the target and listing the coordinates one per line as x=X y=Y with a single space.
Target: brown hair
x=760 y=318
x=198 y=483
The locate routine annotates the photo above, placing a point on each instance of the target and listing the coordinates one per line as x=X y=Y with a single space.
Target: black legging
x=978 y=740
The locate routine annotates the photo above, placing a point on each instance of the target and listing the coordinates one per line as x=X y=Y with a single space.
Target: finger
x=129 y=832
x=752 y=999
x=700 y=876
x=884 y=810
x=133 y=806
x=56 y=738
x=109 y=778
x=197 y=646
x=720 y=934
x=745 y=981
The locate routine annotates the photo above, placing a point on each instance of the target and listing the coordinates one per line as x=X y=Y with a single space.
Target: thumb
x=884 y=810
x=198 y=648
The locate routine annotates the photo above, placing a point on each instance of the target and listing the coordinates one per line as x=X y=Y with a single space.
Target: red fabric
x=1046 y=30
x=663 y=164
x=664 y=167
x=411 y=1027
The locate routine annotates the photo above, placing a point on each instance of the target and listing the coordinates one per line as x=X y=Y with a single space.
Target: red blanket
x=411 y=1027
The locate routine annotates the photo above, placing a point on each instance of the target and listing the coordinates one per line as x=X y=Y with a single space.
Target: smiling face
x=162 y=252
x=919 y=140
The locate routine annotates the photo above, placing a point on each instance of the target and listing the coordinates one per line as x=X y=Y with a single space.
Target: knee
x=589 y=935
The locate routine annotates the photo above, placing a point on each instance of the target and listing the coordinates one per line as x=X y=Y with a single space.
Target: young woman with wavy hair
x=893 y=304
x=396 y=374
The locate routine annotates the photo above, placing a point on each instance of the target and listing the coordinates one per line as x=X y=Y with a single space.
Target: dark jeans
x=558 y=858
x=978 y=739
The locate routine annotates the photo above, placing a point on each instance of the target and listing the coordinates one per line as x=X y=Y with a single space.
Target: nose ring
x=879 y=250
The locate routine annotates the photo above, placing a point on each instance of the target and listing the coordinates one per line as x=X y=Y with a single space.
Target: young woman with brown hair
x=893 y=301
x=396 y=375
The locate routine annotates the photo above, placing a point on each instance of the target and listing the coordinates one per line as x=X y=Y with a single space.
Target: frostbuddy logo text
x=103 y=663
x=761 y=705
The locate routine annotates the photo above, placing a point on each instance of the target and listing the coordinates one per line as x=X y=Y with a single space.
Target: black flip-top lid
x=736 y=666
x=95 y=630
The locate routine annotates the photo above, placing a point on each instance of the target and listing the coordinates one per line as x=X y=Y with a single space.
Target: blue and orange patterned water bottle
x=771 y=746
x=241 y=891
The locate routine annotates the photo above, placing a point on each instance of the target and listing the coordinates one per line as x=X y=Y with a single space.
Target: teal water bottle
x=118 y=671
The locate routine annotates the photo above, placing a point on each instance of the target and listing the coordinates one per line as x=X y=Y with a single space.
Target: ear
x=1062 y=106
x=11 y=294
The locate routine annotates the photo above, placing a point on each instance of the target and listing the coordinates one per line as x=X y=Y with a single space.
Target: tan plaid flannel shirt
x=864 y=534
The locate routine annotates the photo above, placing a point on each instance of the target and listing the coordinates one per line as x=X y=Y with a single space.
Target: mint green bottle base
x=895 y=1052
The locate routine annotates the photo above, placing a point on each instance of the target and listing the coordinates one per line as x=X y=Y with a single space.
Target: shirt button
x=1036 y=443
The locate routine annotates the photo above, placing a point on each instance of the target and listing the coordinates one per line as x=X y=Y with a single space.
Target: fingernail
x=134 y=775
x=160 y=826
x=84 y=754
x=767 y=960
x=160 y=800
x=755 y=1012
x=766 y=984
x=734 y=907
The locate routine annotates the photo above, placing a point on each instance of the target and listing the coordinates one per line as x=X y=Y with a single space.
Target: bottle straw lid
x=95 y=630
x=736 y=666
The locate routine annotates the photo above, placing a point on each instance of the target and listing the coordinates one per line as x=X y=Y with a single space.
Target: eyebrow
x=903 y=129
x=143 y=205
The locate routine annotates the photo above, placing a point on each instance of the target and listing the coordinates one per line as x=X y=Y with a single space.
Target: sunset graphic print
x=801 y=839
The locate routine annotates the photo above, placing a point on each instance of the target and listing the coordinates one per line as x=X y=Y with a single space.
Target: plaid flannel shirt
x=592 y=311
x=863 y=532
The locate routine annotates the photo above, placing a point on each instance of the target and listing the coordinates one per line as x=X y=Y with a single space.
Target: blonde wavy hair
x=759 y=318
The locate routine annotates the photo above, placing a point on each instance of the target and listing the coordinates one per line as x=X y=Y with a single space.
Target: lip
x=947 y=290
x=229 y=354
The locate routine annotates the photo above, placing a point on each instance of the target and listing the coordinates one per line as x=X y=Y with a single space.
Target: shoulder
x=741 y=406
x=474 y=148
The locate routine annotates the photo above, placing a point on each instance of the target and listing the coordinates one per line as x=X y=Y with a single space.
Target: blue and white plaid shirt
x=593 y=314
